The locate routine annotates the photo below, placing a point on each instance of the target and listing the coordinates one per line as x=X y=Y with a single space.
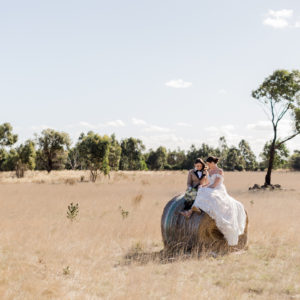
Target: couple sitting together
x=206 y=181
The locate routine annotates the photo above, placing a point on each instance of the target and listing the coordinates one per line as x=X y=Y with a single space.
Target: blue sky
x=172 y=73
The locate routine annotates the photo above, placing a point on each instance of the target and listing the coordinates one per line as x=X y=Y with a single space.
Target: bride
x=228 y=213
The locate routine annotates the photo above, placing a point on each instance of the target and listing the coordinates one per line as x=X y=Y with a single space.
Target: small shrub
x=66 y=270
x=124 y=213
x=73 y=211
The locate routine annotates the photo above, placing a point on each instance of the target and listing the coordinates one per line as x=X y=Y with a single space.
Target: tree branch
x=287 y=139
x=283 y=113
x=272 y=111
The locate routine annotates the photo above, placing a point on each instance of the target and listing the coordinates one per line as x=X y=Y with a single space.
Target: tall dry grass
x=43 y=255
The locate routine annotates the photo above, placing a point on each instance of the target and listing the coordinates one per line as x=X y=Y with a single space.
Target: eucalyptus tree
x=53 y=148
x=94 y=153
x=279 y=95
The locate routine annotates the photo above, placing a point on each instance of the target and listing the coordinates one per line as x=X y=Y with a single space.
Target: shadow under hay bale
x=199 y=232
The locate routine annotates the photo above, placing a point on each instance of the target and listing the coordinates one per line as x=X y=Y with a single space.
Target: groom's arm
x=203 y=178
x=189 y=180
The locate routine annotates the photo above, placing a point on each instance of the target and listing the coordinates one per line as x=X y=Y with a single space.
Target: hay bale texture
x=199 y=232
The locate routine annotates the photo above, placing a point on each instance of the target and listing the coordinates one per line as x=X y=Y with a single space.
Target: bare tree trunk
x=49 y=164
x=271 y=158
x=270 y=166
x=93 y=175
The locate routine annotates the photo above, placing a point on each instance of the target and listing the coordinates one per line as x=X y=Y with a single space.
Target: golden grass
x=43 y=255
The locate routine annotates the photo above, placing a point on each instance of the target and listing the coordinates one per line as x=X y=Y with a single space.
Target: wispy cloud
x=116 y=123
x=183 y=124
x=260 y=125
x=178 y=84
x=153 y=128
x=284 y=129
x=138 y=121
x=279 y=19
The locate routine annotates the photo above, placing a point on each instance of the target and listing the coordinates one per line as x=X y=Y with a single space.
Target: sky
x=172 y=73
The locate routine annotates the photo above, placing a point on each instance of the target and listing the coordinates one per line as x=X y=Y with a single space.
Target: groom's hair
x=200 y=161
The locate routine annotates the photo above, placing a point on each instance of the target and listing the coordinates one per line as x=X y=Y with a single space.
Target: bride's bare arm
x=217 y=180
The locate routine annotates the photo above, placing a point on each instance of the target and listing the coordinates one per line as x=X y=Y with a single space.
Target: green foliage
x=250 y=163
x=175 y=159
x=223 y=151
x=9 y=158
x=94 y=152
x=234 y=160
x=132 y=157
x=295 y=161
x=203 y=152
x=115 y=151
x=52 y=152
x=282 y=85
x=3 y=157
x=25 y=158
x=73 y=159
x=7 y=138
x=73 y=211
x=280 y=157
x=157 y=159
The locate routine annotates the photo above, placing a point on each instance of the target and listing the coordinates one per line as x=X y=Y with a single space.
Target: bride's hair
x=212 y=159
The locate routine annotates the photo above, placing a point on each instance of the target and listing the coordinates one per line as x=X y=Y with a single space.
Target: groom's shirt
x=198 y=173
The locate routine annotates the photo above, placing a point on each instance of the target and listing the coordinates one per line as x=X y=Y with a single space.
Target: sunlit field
x=111 y=249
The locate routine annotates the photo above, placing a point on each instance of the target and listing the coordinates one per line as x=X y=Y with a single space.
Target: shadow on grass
x=171 y=255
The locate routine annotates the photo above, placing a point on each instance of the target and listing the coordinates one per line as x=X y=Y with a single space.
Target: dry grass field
x=43 y=255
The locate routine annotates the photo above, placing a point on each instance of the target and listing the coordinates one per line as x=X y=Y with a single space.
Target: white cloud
x=260 y=125
x=138 y=121
x=276 y=22
x=178 y=84
x=280 y=19
x=285 y=127
x=284 y=13
x=153 y=128
x=211 y=129
x=225 y=129
x=182 y=124
x=117 y=123
x=170 y=141
x=87 y=125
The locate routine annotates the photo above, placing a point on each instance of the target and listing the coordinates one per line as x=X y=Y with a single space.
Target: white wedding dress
x=228 y=213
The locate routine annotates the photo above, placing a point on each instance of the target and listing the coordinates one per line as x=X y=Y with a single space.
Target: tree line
x=52 y=150
x=279 y=95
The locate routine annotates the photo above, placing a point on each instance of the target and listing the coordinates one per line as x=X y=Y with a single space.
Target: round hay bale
x=198 y=232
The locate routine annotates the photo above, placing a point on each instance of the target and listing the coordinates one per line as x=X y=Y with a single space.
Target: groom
x=197 y=175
